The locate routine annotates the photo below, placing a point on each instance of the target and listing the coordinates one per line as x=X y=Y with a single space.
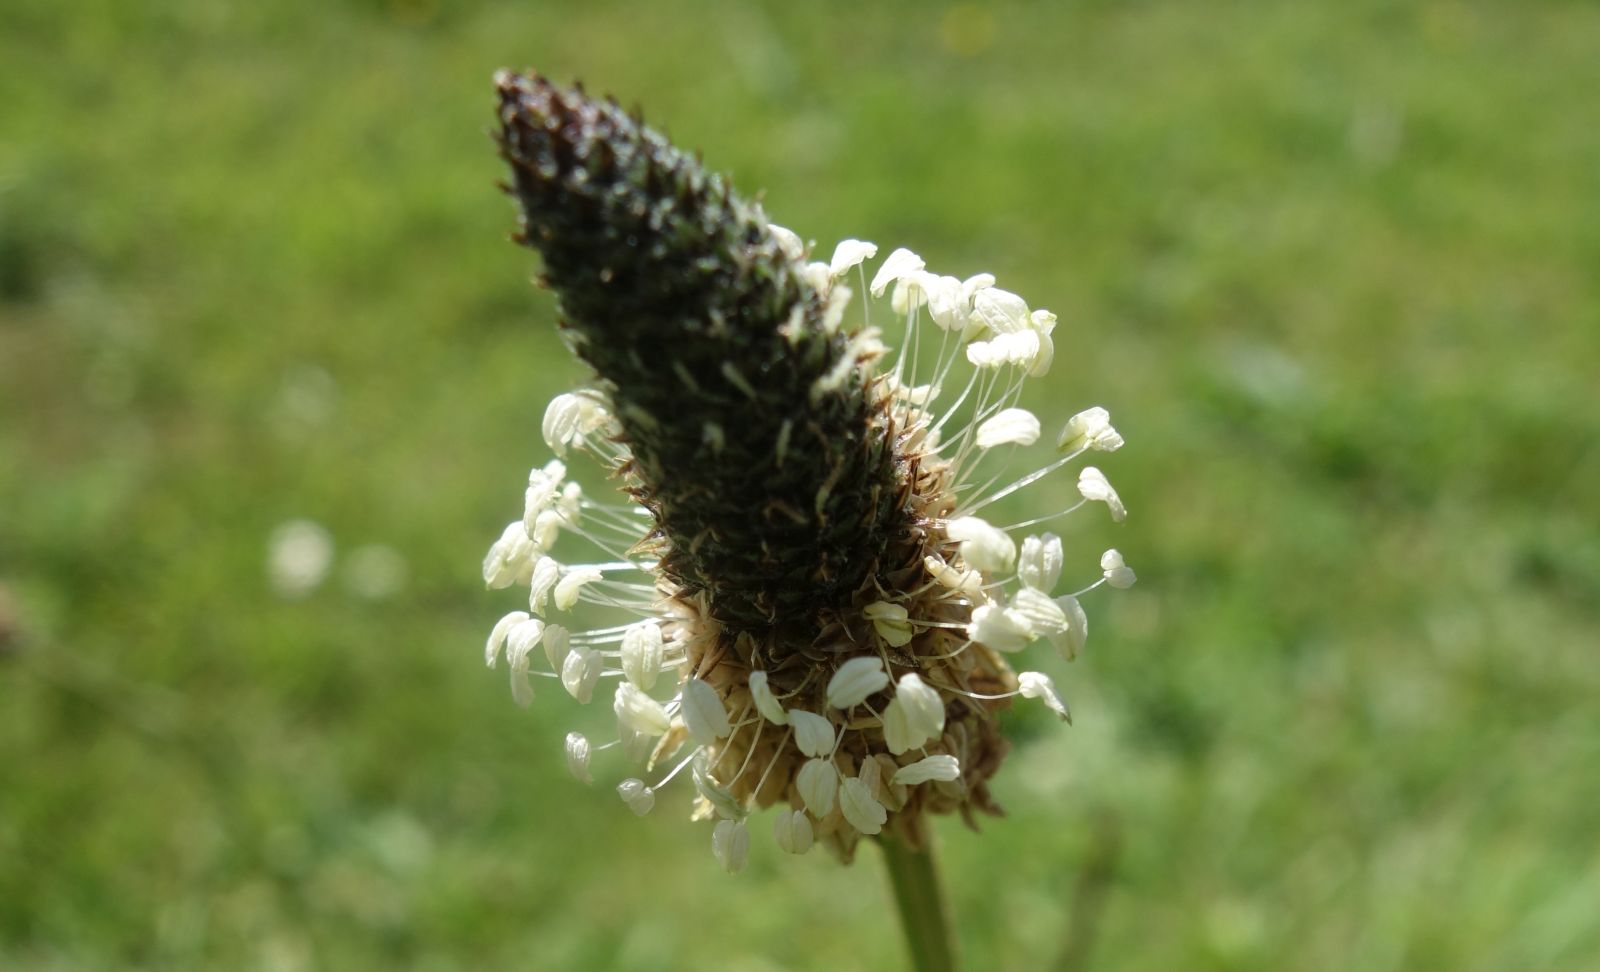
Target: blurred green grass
x=1331 y=266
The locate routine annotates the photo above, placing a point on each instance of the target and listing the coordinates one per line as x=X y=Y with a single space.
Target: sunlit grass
x=1331 y=267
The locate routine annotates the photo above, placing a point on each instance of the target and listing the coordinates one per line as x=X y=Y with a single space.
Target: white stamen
x=813 y=734
x=1093 y=484
x=580 y=672
x=818 y=783
x=642 y=652
x=1037 y=685
x=791 y=830
x=730 y=843
x=982 y=546
x=639 y=712
x=848 y=254
x=1070 y=641
x=703 y=712
x=578 y=756
x=860 y=808
x=855 y=680
x=1117 y=573
x=766 y=702
x=889 y=621
x=938 y=767
x=1089 y=429
x=1039 y=565
x=639 y=798
x=1016 y=426
x=497 y=637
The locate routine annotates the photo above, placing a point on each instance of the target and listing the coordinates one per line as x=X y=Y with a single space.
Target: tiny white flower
x=860 y=808
x=791 y=829
x=639 y=712
x=1039 y=564
x=557 y=642
x=890 y=621
x=939 y=767
x=948 y=307
x=544 y=529
x=703 y=712
x=813 y=734
x=897 y=733
x=580 y=672
x=999 y=628
x=497 y=637
x=636 y=746
x=982 y=354
x=509 y=558
x=1070 y=641
x=855 y=680
x=523 y=638
x=818 y=275
x=641 y=654
x=848 y=254
x=521 y=686
x=1089 y=429
x=910 y=292
x=915 y=715
x=766 y=702
x=970 y=288
x=719 y=797
x=1117 y=573
x=982 y=546
x=1009 y=426
x=730 y=843
x=920 y=395
x=560 y=424
x=1001 y=311
x=639 y=798
x=544 y=488
x=1019 y=348
x=818 y=782
x=546 y=572
x=571 y=583
x=1042 y=616
x=901 y=263
x=834 y=308
x=924 y=707
x=1093 y=484
x=519 y=643
x=969 y=582
x=1044 y=323
x=788 y=241
x=578 y=756
x=570 y=506
x=1037 y=685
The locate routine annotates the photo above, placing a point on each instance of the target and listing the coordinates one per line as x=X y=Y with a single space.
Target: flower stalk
x=919 y=897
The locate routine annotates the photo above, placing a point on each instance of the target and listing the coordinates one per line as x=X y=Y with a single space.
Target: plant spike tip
x=675 y=291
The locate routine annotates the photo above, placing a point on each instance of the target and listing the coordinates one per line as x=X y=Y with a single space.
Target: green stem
x=923 y=912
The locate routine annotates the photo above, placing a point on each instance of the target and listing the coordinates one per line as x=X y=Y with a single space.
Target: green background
x=1332 y=267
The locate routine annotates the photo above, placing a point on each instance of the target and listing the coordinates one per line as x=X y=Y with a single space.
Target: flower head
x=815 y=610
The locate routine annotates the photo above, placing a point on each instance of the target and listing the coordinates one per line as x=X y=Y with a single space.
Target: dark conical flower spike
x=768 y=482
x=819 y=618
